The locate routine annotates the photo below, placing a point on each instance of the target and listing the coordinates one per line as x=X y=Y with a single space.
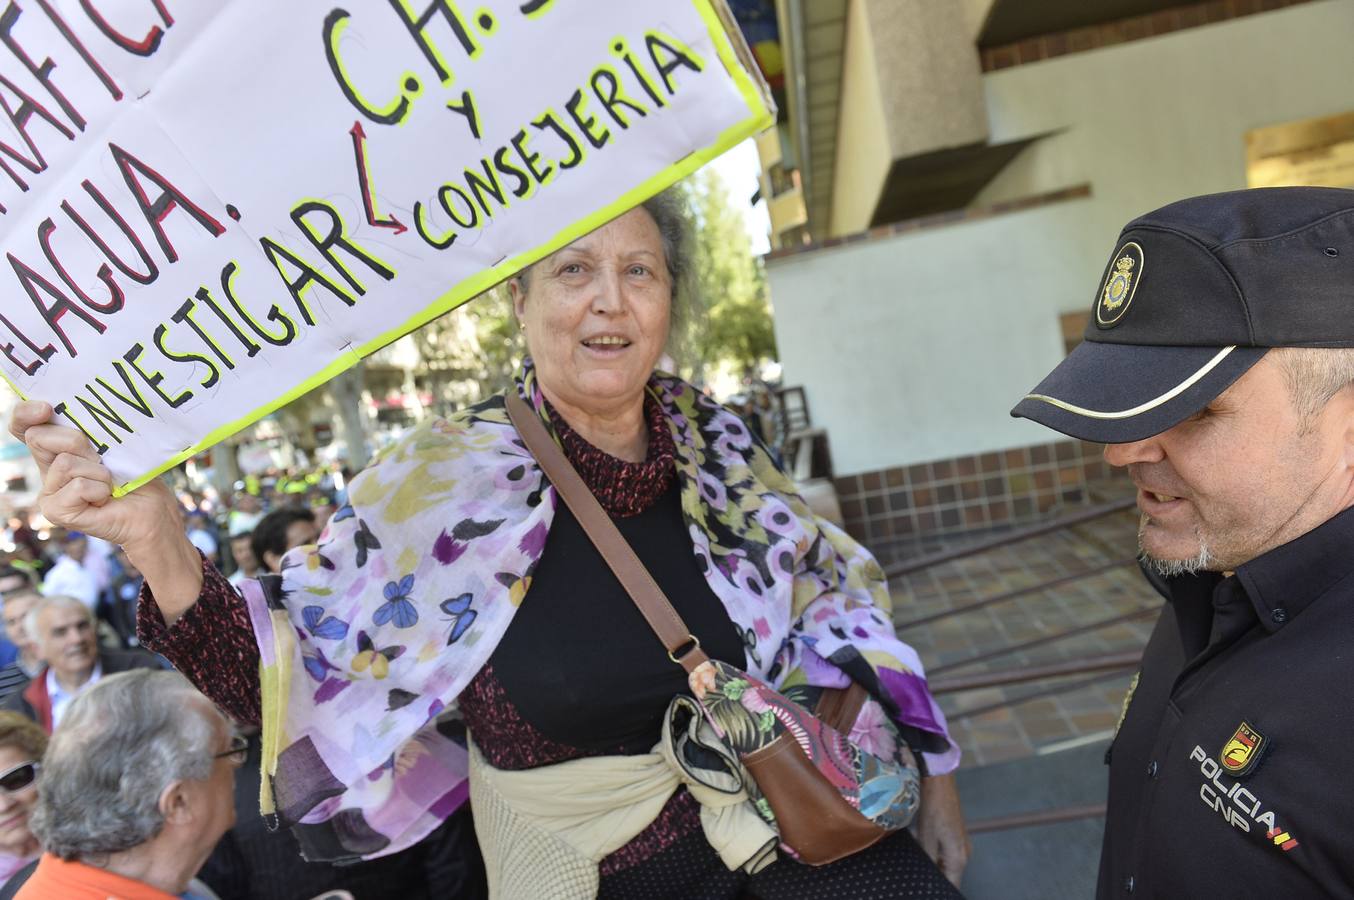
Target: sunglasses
x=238 y=752
x=21 y=776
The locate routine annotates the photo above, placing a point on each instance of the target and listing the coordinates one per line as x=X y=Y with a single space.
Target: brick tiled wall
x=970 y=493
x=1050 y=46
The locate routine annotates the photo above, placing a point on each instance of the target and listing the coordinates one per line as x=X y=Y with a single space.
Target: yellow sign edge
x=761 y=117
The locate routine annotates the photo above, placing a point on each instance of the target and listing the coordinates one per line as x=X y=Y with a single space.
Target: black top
x=580 y=662
x=1227 y=777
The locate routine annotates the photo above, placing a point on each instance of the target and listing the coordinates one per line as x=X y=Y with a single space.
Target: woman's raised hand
x=77 y=489
x=77 y=493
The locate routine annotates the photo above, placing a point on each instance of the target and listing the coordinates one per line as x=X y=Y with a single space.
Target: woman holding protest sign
x=462 y=589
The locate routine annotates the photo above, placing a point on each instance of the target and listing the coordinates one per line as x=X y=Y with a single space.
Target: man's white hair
x=1314 y=376
x=1203 y=561
x=121 y=743
x=52 y=601
x=1169 y=568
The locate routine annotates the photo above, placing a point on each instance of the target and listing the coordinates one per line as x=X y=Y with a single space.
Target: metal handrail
x=1065 y=687
x=908 y=566
x=953 y=684
x=1047 y=639
x=1012 y=595
x=1038 y=817
x=1101 y=666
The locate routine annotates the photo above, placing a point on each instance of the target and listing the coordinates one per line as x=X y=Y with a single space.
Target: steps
x=1041 y=862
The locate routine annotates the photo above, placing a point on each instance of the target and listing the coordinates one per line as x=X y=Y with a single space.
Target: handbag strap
x=620 y=558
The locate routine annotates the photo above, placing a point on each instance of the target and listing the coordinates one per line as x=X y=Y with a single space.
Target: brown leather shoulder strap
x=631 y=573
x=840 y=707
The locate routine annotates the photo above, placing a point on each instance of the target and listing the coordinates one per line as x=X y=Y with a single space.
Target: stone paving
x=1010 y=722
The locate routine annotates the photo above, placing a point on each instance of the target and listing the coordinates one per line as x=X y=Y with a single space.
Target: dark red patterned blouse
x=623 y=488
x=213 y=642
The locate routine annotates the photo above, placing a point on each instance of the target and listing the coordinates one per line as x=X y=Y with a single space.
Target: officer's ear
x=1342 y=405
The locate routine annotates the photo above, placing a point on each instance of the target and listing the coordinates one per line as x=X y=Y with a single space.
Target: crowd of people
x=68 y=602
x=243 y=535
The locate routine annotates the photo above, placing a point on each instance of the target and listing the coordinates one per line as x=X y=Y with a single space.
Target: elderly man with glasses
x=144 y=833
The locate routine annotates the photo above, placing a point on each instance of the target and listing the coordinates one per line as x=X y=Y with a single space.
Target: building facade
x=979 y=161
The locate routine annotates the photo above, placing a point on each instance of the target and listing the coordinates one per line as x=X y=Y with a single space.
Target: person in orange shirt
x=153 y=732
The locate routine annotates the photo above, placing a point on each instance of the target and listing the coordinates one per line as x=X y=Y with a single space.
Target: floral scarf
x=368 y=638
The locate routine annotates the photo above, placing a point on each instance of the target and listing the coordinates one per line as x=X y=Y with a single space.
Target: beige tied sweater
x=543 y=831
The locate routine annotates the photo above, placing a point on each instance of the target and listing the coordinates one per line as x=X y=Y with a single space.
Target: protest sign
x=208 y=209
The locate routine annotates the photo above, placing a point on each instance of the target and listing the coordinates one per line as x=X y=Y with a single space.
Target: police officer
x=1217 y=369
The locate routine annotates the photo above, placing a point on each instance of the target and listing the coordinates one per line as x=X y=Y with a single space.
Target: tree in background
x=471 y=352
x=734 y=329
x=345 y=393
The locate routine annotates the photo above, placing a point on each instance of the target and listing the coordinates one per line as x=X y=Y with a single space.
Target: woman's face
x=14 y=808
x=595 y=314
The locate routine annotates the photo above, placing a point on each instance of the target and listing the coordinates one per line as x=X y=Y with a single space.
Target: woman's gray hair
x=669 y=211
x=119 y=745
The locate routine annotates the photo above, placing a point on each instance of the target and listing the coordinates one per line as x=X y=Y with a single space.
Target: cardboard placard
x=210 y=209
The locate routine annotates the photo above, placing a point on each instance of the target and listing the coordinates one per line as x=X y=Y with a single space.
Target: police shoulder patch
x=1242 y=750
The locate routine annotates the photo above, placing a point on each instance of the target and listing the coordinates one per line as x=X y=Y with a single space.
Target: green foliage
x=736 y=325
x=500 y=337
x=472 y=351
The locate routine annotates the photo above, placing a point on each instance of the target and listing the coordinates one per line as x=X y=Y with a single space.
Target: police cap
x=1195 y=294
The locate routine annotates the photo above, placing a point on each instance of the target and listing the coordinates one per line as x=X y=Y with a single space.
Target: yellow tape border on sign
x=761 y=116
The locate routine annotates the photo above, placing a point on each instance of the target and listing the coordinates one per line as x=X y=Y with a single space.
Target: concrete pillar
x=911 y=85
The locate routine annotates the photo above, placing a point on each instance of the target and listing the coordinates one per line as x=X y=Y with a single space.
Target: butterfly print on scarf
x=322 y=626
x=398 y=608
x=318 y=666
x=460 y=615
x=398 y=698
x=369 y=656
x=449 y=547
x=364 y=541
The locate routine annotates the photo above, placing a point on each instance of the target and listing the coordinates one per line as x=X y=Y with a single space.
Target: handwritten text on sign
x=207 y=209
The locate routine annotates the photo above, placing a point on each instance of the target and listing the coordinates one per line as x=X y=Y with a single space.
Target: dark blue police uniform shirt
x=1231 y=772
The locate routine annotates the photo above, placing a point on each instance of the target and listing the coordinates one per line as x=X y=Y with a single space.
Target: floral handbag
x=880 y=785
x=826 y=796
